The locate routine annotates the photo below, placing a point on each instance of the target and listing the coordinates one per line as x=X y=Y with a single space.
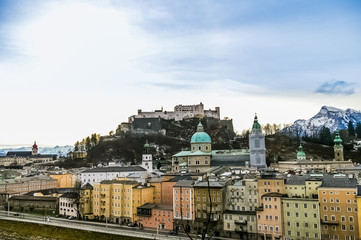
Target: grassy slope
x=27 y=230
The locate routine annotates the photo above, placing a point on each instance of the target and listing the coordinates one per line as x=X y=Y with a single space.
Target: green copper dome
x=301 y=153
x=338 y=140
x=200 y=136
x=256 y=124
x=146 y=145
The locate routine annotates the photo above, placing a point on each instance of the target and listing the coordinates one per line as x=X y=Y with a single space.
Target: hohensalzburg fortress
x=180 y=112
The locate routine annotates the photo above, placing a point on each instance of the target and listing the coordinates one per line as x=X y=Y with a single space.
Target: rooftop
x=114 y=169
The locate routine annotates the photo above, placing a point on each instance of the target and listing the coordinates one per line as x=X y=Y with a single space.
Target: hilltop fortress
x=180 y=112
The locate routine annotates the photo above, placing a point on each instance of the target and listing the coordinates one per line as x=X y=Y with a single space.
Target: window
x=296 y=205
x=315 y=225
x=351 y=228
x=343 y=227
x=351 y=219
x=343 y=218
x=305 y=205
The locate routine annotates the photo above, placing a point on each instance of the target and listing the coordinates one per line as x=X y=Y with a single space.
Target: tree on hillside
x=358 y=130
x=351 y=129
x=325 y=136
x=76 y=146
x=87 y=143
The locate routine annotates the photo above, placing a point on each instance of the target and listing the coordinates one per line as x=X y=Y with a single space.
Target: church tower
x=35 y=149
x=338 y=147
x=147 y=161
x=301 y=155
x=257 y=146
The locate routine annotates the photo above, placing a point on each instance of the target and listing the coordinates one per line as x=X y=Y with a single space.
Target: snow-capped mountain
x=330 y=117
x=60 y=150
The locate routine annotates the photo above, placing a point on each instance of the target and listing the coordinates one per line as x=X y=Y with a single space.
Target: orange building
x=269 y=216
x=183 y=204
x=153 y=215
x=64 y=180
x=338 y=207
x=269 y=210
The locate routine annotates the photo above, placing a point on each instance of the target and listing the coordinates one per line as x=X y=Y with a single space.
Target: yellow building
x=86 y=202
x=117 y=200
x=65 y=180
x=358 y=199
x=303 y=186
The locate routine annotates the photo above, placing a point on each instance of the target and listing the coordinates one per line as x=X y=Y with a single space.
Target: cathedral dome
x=200 y=136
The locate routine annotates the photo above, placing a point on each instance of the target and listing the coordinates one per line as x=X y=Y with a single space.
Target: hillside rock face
x=330 y=117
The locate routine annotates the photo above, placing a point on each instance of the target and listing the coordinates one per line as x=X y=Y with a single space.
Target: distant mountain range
x=60 y=150
x=330 y=117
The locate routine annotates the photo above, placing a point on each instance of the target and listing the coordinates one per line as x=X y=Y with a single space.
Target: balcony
x=329 y=222
x=240 y=221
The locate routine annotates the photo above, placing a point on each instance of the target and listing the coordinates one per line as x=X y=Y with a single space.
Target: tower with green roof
x=147 y=159
x=338 y=147
x=301 y=155
x=257 y=146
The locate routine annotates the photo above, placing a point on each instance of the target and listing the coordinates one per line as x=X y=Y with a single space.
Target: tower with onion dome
x=34 y=149
x=257 y=146
x=147 y=160
x=338 y=147
x=301 y=155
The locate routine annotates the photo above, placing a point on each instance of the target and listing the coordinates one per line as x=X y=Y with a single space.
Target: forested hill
x=128 y=146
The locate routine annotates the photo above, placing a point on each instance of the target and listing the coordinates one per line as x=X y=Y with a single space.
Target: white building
x=180 y=112
x=96 y=175
x=68 y=206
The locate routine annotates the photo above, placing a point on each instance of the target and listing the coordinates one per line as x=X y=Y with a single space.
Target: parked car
x=132 y=225
x=71 y=217
x=17 y=214
x=173 y=233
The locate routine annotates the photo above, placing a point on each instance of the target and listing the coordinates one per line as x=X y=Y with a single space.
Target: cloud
x=334 y=87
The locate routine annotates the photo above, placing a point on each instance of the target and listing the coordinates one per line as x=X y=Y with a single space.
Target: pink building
x=153 y=215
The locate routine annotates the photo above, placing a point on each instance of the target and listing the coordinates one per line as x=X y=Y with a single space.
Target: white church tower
x=257 y=146
x=147 y=161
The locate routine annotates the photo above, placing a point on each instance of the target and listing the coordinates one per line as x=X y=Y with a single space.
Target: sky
x=72 y=68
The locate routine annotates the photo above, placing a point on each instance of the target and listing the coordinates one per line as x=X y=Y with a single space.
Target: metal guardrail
x=94 y=228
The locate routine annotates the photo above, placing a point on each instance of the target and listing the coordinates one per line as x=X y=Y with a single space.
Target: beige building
x=239 y=218
x=28 y=184
x=301 y=218
x=22 y=158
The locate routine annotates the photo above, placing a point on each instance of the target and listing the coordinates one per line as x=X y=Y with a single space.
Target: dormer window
x=199 y=147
